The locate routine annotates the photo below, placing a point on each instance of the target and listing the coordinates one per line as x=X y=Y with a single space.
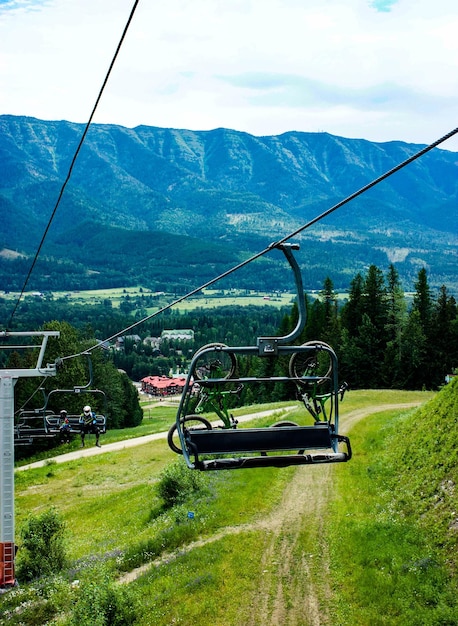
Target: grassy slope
x=391 y=529
x=395 y=520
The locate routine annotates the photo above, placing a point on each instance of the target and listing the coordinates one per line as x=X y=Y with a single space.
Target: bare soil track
x=295 y=586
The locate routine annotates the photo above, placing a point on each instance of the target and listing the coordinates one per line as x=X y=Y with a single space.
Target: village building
x=181 y=334
x=162 y=385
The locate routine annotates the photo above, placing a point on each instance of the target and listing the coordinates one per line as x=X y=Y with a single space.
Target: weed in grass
x=43 y=546
x=37 y=604
x=178 y=484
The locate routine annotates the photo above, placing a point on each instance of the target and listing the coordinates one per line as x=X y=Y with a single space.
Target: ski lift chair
x=45 y=423
x=213 y=368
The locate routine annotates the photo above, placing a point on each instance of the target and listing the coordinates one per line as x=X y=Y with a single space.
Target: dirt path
x=295 y=587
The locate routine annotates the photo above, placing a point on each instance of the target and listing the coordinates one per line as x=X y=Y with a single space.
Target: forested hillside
x=177 y=207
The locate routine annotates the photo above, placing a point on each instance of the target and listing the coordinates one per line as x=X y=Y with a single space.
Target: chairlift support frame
x=8 y=379
x=253 y=447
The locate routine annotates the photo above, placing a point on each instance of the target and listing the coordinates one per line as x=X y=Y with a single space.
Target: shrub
x=177 y=484
x=101 y=602
x=43 y=546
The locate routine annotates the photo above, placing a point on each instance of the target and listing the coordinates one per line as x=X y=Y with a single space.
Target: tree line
x=384 y=339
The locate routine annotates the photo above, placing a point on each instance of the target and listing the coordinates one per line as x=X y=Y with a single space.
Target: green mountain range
x=171 y=209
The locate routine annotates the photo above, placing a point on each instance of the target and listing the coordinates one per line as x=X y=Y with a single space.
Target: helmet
x=63 y=411
x=87 y=409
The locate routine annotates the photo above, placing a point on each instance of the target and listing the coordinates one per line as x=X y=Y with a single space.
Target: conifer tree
x=444 y=336
x=414 y=354
x=423 y=300
x=331 y=328
x=396 y=320
x=422 y=306
x=352 y=312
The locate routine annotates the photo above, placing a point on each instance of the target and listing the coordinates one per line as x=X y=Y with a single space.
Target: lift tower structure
x=8 y=379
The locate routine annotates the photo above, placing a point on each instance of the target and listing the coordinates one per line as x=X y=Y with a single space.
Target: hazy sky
x=374 y=69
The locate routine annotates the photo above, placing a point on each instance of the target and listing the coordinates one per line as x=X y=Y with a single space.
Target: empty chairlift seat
x=277 y=447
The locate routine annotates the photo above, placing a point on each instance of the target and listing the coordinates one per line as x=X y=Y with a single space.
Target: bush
x=101 y=602
x=42 y=551
x=177 y=484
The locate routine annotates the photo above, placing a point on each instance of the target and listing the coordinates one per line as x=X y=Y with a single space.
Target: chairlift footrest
x=271 y=461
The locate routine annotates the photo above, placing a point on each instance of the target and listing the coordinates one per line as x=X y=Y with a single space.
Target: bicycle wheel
x=190 y=422
x=316 y=363
x=281 y=424
x=214 y=363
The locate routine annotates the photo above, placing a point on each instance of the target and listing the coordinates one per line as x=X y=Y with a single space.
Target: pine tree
x=414 y=354
x=422 y=305
x=396 y=320
x=444 y=336
x=352 y=312
x=331 y=329
x=423 y=301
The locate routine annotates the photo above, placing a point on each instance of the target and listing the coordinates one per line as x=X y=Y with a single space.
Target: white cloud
x=376 y=69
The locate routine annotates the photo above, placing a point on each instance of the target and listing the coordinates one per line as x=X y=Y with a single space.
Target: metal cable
x=40 y=384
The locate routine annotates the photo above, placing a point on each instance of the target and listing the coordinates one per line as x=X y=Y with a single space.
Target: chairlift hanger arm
x=269 y=345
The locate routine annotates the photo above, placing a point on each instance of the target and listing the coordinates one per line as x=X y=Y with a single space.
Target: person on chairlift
x=88 y=423
x=64 y=427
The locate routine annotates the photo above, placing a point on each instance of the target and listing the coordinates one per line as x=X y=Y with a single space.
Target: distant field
x=210 y=298
x=213 y=301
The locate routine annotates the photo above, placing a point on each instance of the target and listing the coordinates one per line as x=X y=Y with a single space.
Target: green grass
x=212 y=585
x=389 y=526
x=115 y=493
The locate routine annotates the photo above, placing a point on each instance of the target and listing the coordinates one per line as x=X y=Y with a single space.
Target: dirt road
x=295 y=590
x=295 y=584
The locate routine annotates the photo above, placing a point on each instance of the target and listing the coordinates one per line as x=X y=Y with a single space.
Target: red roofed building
x=162 y=385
